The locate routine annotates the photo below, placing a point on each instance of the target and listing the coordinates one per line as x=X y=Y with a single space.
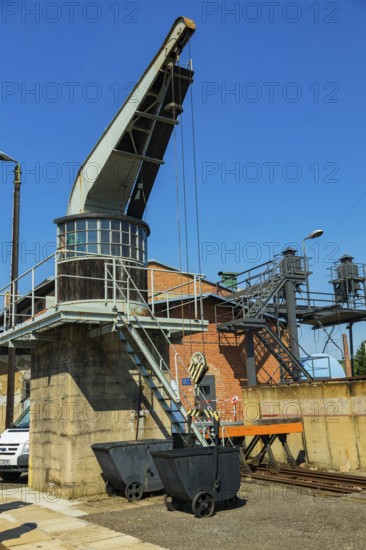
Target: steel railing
x=256 y=287
x=23 y=305
x=280 y=264
x=163 y=299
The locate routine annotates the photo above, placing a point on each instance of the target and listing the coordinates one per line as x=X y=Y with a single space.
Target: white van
x=14 y=448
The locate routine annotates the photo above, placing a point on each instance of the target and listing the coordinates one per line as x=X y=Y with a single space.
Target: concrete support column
x=251 y=367
x=291 y=318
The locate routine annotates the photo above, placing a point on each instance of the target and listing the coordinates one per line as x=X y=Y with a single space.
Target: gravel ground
x=269 y=517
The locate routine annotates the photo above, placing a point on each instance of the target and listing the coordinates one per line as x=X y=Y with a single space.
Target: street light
x=6 y=158
x=313 y=235
x=14 y=286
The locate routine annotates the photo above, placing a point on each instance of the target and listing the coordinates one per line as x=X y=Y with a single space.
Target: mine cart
x=199 y=475
x=128 y=468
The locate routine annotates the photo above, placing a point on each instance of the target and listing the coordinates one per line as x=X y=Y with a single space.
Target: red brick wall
x=167 y=278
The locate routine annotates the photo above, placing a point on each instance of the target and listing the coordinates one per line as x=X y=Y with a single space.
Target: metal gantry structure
x=270 y=304
x=248 y=311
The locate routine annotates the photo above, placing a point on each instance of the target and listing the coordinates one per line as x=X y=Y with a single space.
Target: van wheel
x=10 y=477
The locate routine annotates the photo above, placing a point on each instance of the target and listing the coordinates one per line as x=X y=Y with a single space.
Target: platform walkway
x=32 y=520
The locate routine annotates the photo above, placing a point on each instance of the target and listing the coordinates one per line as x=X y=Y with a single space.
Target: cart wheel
x=134 y=491
x=203 y=505
x=171 y=503
x=232 y=502
x=109 y=489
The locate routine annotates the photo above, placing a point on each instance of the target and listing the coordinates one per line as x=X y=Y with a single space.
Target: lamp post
x=14 y=287
x=313 y=235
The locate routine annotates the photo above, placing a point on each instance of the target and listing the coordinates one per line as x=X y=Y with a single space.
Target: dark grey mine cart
x=128 y=467
x=199 y=475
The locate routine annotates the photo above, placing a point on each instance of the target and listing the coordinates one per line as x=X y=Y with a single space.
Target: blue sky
x=279 y=120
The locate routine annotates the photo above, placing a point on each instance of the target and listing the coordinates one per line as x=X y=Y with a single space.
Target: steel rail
x=327 y=481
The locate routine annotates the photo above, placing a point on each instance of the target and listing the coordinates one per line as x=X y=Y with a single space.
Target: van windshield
x=23 y=421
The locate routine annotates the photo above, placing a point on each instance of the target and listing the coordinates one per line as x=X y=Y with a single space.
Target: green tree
x=360 y=360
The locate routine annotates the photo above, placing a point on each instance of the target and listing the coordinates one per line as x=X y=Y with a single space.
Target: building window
x=102 y=237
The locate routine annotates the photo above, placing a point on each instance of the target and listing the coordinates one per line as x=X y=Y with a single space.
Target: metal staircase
x=255 y=299
x=139 y=344
x=151 y=365
x=261 y=284
x=248 y=309
x=290 y=365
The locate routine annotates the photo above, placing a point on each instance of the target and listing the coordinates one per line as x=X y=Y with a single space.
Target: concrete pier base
x=84 y=391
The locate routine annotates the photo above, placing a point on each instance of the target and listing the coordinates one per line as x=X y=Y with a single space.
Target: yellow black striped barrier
x=214 y=415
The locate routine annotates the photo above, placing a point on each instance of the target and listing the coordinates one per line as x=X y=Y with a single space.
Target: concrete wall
x=83 y=391
x=333 y=415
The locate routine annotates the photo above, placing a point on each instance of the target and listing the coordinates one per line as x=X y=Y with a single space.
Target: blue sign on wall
x=186 y=382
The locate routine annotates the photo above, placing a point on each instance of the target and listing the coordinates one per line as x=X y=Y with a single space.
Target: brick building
x=174 y=295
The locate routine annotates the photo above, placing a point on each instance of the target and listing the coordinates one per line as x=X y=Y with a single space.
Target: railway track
x=324 y=481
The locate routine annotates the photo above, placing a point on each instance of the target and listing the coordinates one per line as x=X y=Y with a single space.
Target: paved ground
x=268 y=517
x=36 y=521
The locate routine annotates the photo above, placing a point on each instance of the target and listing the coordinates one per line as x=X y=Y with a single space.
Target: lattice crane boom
x=119 y=173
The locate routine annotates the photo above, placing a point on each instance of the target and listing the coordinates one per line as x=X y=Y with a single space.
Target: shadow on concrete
x=17 y=532
x=105 y=375
x=301 y=457
x=220 y=506
x=23 y=480
x=241 y=502
x=13 y=505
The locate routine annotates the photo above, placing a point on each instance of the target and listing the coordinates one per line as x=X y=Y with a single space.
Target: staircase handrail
x=293 y=358
x=158 y=325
